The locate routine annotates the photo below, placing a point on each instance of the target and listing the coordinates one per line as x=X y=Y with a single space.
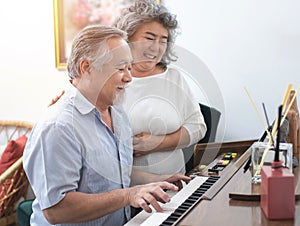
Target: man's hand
x=143 y=195
x=177 y=180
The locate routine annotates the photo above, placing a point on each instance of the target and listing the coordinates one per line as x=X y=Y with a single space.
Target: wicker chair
x=13 y=181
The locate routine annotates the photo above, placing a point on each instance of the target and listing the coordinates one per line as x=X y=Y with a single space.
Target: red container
x=277 y=192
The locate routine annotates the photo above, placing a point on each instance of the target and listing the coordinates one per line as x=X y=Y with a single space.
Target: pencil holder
x=262 y=154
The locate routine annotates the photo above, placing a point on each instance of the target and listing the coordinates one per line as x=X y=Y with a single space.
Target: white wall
x=252 y=43
x=29 y=79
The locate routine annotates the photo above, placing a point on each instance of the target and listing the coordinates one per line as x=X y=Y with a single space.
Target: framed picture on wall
x=70 y=16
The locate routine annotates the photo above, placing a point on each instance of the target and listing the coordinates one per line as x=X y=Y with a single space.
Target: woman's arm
x=145 y=143
x=141 y=177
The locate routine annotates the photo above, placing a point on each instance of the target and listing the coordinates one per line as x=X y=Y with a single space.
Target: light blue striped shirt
x=71 y=149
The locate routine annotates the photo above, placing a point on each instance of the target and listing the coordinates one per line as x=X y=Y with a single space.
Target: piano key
x=189 y=202
x=179 y=210
x=186 y=205
x=176 y=214
x=169 y=222
x=193 y=198
x=196 y=196
x=213 y=178
x=177 y=205
x=210 y=182
x=207 y=186
x=201 y=190
x=171 y=218
x=199 y=193
x=182 y=208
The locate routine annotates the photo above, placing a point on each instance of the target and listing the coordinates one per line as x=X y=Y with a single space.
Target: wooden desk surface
x=222 y=210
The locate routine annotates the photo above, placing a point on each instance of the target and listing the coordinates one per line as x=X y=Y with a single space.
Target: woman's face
x=148 y=45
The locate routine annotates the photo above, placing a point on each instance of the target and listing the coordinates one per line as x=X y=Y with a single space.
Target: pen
x=247 y=165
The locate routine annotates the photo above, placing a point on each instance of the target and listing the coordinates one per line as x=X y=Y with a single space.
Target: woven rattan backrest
x=13 y=129
x=13 y=182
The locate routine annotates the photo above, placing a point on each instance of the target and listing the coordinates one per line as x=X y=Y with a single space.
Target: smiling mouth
x=150 y=56
x=121 y=88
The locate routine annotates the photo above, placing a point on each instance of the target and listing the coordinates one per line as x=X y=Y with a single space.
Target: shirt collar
x=80 y=102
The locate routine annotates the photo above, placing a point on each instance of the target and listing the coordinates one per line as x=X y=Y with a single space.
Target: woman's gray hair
x=91 y=44
x=143 y=11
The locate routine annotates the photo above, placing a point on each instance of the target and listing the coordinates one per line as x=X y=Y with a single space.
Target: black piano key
x=207 y=186
x=199 y=193
x=189 y=201
x=186 y=205
x=194 y=196
x=182 y=208
x=180 y=211
x=176 y=214
x=201 y=190
x=213 y=178
x=209 y=182
x=171 y=218
x=168 y=222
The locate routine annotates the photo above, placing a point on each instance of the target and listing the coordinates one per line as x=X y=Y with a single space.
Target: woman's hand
x=145 y=143
x=55 y=99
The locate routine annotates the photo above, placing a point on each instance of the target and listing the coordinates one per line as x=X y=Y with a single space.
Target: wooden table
x=222 y=210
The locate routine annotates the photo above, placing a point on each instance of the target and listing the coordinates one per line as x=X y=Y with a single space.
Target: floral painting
x=72 y=15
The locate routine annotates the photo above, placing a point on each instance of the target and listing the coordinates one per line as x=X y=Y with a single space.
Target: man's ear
x=84 y=67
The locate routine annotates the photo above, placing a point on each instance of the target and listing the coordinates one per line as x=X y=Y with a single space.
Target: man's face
x=116 y=73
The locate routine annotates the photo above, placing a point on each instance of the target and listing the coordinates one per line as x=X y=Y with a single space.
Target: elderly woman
x=162 y=111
